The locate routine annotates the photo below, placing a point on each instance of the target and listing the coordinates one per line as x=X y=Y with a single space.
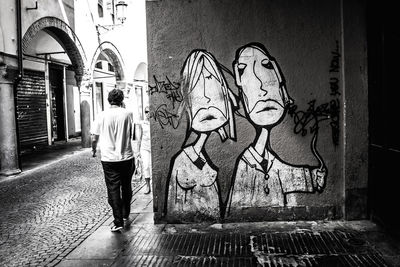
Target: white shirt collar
x=253 y=158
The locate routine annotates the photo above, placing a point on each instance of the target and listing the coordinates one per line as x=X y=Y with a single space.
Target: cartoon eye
x=241 y=67
x=208 y=77
x=266 y=63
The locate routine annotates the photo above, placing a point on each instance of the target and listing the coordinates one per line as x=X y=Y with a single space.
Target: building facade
x=59 y=60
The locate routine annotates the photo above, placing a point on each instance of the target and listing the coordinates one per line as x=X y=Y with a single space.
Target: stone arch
x=66 y=37
x=114 y=57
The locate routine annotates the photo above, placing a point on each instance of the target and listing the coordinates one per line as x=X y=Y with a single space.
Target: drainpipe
x=19 y=75
x=19 y=41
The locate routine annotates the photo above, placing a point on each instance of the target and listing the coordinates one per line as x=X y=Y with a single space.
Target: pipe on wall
x=19 y=41
x=20 y=73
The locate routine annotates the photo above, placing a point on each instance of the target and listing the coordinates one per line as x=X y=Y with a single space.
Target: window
x=100 y=8
x=111 y=10
x=99 y=65
x=110 y=67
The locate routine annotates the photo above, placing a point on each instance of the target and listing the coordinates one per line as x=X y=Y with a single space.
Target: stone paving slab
x=86 y=263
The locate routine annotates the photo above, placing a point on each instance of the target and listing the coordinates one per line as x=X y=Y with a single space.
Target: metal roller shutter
x=31 y=110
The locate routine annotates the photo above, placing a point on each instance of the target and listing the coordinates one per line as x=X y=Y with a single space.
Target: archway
x=112 y=54
x=65 y=36
x=48 y=93
x=107 y=67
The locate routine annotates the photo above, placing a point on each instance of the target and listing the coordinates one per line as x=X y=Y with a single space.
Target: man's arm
x=95 y=139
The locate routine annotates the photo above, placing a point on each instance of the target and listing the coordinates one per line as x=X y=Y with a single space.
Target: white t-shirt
x=115 y=127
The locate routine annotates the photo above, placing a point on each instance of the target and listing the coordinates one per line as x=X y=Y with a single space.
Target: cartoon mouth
x=266 y=109
x=208 y=118
x=266 y=105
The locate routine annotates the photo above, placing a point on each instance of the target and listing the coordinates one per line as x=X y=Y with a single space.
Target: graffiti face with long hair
x=259 y=79
x=207 y=93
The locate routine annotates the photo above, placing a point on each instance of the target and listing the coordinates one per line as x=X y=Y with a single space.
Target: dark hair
x=115 y=97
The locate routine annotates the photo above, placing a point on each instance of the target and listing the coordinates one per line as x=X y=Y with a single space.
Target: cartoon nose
x=263 y=83
x=206 y=95
x=264 y=88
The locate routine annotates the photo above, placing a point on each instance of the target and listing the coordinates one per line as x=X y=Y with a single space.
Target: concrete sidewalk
x=323 y=243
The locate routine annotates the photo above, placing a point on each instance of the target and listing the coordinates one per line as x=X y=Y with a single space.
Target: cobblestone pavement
x=46 y=213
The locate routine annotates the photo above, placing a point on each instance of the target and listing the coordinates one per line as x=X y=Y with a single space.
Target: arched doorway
x=108 y=73
x=48 y=95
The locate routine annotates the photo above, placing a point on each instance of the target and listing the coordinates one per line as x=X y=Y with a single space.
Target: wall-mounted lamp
x=121 y=11
x=121 y=7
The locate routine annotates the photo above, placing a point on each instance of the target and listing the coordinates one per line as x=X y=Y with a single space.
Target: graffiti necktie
x=264 y=166
x=199 y=163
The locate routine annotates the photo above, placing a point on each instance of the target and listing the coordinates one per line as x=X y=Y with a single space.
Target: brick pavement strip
x=47 y=213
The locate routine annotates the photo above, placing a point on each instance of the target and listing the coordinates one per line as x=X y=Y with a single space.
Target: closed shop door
x=31 y=109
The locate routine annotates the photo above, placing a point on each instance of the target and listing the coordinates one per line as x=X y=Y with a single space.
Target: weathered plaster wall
x=305 y=38
x=62 y=9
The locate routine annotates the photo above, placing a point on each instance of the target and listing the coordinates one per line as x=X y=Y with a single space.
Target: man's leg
x=126 y=188
x=113 y=182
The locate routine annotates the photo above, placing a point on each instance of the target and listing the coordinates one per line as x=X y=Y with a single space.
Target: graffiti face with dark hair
x=260 y=81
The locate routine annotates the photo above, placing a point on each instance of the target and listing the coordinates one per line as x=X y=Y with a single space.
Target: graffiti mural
x=261 y=177
x=192 y=184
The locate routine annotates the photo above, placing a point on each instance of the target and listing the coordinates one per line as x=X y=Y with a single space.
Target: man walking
x=115 y=129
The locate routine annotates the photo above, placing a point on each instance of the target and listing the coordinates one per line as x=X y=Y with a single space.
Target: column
x=85 y=93
x=8 y=127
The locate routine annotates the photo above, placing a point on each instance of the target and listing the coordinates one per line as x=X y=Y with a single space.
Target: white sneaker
x=116 y=228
